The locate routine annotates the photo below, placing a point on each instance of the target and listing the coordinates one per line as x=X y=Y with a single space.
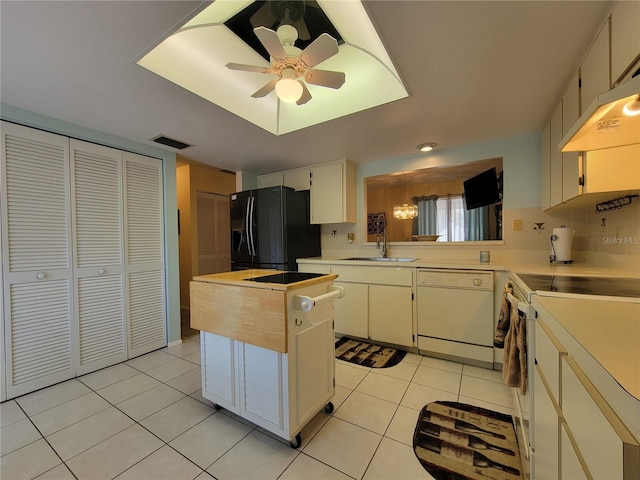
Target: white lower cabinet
x=577 y=434
x=547 y=423
x=352 y=313
x=280 y=392
x=378 y=303
x=391 y=314
x=571 y=466
x=608 y=448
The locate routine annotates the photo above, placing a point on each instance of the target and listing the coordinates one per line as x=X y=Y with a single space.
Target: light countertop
x=239 y=278
x=603 y=337
x=579 y=269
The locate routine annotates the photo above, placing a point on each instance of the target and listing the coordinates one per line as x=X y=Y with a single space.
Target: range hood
x=603 y=124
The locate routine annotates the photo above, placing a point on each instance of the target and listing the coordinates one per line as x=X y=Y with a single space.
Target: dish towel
x=503 y=319
x=514 y=366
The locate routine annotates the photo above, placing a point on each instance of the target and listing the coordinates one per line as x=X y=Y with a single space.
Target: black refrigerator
x=270 y=229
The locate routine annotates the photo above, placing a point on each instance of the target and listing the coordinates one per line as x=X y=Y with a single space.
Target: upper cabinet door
x=36 y=246
x=96 y=173
x=333 y=193
x=594 y=71
x=625 y=37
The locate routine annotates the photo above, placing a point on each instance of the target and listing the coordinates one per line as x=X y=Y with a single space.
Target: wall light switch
x=517 y=225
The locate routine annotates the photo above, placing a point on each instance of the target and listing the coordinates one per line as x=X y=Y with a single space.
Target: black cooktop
x=607 y=286
x=285 y=277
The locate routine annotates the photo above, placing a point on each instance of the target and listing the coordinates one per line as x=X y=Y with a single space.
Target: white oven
x=523 y=404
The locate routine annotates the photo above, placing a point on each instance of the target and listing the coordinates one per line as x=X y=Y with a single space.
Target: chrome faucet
x=383 y=251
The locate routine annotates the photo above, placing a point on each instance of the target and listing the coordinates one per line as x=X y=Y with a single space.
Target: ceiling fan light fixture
x=405 y=211
x=427 y=147
x=288 y=89
x=632 y=108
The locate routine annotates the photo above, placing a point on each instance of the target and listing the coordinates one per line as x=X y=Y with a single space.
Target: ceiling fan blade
x=266 y=90
x=306 y=95
x=247 y=68
x=303 y=31
x=325 y=78
x=271 y=42
x=321 y=48
x=263 y=17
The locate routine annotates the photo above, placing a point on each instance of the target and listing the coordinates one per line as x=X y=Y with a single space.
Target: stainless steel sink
x=381 y=259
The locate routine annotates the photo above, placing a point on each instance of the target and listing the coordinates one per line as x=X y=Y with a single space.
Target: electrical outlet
x=517 y=225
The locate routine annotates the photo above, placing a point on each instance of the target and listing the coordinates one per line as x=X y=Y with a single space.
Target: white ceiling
x=475 y=71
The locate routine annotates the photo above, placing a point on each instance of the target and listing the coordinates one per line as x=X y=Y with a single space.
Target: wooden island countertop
x=230 y=305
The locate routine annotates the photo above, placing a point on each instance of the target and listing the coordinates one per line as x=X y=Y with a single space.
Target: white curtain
x=442 y=216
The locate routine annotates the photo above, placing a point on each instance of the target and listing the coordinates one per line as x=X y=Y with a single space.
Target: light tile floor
x=146 y=419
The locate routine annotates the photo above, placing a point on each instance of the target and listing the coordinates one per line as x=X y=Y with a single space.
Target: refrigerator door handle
x=252 y=246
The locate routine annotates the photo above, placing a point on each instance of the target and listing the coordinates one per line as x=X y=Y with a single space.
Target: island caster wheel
x=328 y=407
x=296 y=442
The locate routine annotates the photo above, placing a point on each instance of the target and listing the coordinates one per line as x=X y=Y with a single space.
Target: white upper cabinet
x=333 y=193
x=555 y=158
x=298 y=179
x=37 y=276
x=594 y=71
x=271 y=180
x=625 y=37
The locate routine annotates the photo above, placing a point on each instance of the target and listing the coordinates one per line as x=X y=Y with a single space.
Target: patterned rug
x=367 y=354
x=456 y=441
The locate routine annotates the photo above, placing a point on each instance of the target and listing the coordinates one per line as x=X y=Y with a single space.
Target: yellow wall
x=383 y=200
x=190 y=179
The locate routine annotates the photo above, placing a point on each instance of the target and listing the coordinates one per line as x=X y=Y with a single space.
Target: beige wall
x=190 y=179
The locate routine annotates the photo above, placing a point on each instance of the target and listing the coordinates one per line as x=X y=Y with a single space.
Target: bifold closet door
x=97 y=211
x=36 y=248
x=144 y=246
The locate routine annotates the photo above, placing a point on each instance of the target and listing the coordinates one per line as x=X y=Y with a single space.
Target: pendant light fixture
x=405 y=211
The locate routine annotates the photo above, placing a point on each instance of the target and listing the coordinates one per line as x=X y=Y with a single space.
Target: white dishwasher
x=455 y=315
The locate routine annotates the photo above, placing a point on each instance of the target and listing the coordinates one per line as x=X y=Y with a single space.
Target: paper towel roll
x=561 y=244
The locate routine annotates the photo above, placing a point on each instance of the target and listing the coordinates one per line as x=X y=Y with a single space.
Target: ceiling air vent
x=170 y=142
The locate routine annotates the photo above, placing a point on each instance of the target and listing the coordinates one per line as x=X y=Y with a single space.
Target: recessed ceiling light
x=427 y=147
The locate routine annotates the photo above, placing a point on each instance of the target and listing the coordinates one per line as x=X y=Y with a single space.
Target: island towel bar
x=305 y=303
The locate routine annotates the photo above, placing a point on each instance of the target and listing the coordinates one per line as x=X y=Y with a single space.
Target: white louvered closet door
x=144 y=246
x=36 y=232
x=214 y=241
x=97 y=211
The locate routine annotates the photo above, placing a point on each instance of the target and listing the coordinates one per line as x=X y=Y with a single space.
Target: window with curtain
x=446 y=216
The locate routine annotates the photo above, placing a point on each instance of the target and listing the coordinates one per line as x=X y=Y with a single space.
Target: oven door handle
x=522 y=306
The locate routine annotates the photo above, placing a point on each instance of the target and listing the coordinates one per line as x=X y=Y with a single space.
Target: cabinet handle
x=40 y=276
x=298 y=322
x=101 y=271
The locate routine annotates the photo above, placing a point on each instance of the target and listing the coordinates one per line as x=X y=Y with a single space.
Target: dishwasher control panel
x=468 y=279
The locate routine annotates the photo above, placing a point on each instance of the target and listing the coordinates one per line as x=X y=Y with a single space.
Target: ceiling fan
x=292 y=65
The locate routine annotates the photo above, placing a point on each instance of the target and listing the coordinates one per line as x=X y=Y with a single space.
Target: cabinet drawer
x=375 y=275
x=549 y=353
x=571 y=461
x=608 y=448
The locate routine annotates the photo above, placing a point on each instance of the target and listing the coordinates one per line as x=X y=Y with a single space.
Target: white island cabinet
x=264 y=356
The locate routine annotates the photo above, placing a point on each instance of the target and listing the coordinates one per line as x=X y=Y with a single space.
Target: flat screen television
x=481 y=190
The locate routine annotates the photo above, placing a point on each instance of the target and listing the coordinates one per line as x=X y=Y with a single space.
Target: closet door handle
x=40 y=276
x=101 y=271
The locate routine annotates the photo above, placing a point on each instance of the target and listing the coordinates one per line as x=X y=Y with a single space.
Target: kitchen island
x=267 y=345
